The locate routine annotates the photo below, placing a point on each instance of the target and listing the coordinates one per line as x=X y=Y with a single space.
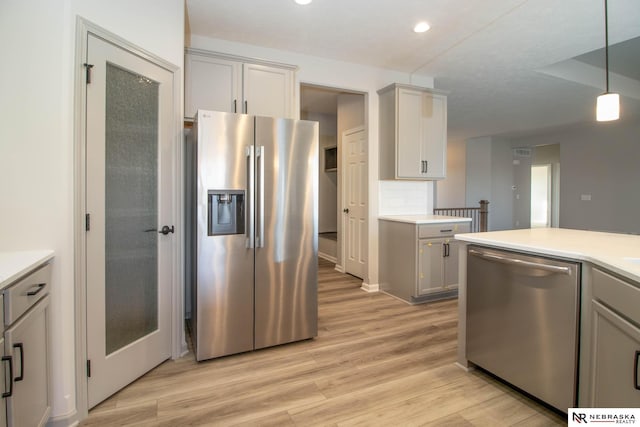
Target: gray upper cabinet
x=413 y=133
x=237 y=85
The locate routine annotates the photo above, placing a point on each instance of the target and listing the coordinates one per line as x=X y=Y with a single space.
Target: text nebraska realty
x=612 y=418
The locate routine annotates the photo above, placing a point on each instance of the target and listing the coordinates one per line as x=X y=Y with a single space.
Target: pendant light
x=607 y=104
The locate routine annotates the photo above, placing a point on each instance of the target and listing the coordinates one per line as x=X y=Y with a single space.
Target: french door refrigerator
x=252 y=209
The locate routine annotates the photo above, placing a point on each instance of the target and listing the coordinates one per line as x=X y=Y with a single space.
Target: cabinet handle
x=10 y=360
x=40 y=288
x=21 y=376
x=424 y=166
x=635 y=370
x=235 y=105
x=246 y=107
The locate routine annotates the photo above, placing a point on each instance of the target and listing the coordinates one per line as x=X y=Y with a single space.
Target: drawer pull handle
x=21 y=347
x=40 y=287
x=635 y=371
x=10 y=360
x=446 y=231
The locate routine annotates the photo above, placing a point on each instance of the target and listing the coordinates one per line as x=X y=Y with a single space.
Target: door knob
x=345 y=210
x=166 y=230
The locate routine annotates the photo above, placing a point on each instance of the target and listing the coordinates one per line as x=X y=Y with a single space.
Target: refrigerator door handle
x=250 y=212
x=260 y=199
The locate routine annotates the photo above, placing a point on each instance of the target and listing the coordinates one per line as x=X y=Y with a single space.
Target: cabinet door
x=26 y=341
x=615 y=352
x=434 y=131
x=4 y=388
x=450 y=262
x=409 y=134
x=267 y=91
x=430 y=271
x=212 y=84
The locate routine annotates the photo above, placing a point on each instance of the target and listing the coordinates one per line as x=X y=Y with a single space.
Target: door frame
x=178 y=342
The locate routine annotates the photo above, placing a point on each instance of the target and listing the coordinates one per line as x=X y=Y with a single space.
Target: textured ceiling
x=489 y=54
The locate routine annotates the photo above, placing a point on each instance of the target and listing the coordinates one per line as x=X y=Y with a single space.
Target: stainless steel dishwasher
x=522 y=321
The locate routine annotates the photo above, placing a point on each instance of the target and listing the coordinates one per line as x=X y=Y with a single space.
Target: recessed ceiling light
x=421 y=27
x=303 y=2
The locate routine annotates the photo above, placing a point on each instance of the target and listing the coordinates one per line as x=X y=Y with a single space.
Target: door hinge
x=88 y=68
x=88 y=368
x=87 y=222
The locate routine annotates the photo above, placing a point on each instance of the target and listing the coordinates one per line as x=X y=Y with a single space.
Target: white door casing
x=110 y=372
x=354 y=204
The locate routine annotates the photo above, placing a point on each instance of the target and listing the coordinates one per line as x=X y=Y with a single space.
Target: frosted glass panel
x=131 y=207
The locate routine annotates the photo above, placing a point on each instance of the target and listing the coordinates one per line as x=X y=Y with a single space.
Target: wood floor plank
x=376 y=361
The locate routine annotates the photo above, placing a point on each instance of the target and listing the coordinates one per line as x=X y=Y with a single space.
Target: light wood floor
x=376 y=361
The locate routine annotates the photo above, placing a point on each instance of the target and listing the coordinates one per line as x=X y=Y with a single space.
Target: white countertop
x=14 y=265
x=424 y=219
x=615 y=252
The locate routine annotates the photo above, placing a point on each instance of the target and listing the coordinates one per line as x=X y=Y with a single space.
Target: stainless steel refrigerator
x=252 y=216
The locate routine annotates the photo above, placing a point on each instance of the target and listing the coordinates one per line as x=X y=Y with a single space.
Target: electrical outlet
x=585 y=197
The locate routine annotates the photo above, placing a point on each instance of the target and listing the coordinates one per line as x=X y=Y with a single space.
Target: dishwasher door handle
x=521 y=263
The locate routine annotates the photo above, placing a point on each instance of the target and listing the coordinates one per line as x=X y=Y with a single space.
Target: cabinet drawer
x=622 y=296
x=442 y=229
x=20 y=296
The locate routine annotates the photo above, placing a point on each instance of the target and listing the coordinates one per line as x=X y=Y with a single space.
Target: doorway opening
x=545 y=186
x=337 y=111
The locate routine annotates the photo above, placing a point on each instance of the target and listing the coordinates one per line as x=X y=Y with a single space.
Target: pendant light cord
x=606 y=43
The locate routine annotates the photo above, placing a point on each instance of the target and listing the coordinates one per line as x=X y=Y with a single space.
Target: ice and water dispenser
x=226 y=212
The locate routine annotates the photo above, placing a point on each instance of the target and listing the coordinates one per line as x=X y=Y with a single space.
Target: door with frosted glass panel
x=130 y=237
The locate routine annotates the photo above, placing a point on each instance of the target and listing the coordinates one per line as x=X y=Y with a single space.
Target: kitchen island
x=608 y=266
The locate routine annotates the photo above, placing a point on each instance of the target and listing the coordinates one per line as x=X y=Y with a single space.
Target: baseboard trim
x=328 y=257
x=339 y=268
x=465 y=368
x=368 y=287
x=69 y=420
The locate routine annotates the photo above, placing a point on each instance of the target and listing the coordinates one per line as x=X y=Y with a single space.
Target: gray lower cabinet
x=419 y=262
x=25 y=362
x=614 y=374
x=438 y=265
x=6 y=364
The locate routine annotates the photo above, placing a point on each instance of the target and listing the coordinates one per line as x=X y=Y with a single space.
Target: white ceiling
x=505 y=62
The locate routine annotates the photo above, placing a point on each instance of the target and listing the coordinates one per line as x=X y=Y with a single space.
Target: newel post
x=484 y=215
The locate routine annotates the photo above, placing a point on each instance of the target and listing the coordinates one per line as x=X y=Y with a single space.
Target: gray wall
x=489 y=176
x=600 y=160
x=327 y=181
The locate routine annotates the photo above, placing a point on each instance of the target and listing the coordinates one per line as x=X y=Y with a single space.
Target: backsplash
x=405 y=197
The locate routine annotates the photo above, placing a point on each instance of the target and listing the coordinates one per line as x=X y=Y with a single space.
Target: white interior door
x=129 y=199
x=354 y=149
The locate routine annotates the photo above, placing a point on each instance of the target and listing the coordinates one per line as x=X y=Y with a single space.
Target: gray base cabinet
x=419 y=262
x=26 y=391
x=613 y=374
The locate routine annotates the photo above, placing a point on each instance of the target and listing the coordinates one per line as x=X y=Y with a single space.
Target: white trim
x=83 y=29
x=69 y=420
x=370 y=287
x=328 y=257
x=237 y=58
x=339 y=268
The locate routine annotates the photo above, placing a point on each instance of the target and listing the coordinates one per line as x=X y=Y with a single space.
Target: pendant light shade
x=607 y=104
x=608 y=107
